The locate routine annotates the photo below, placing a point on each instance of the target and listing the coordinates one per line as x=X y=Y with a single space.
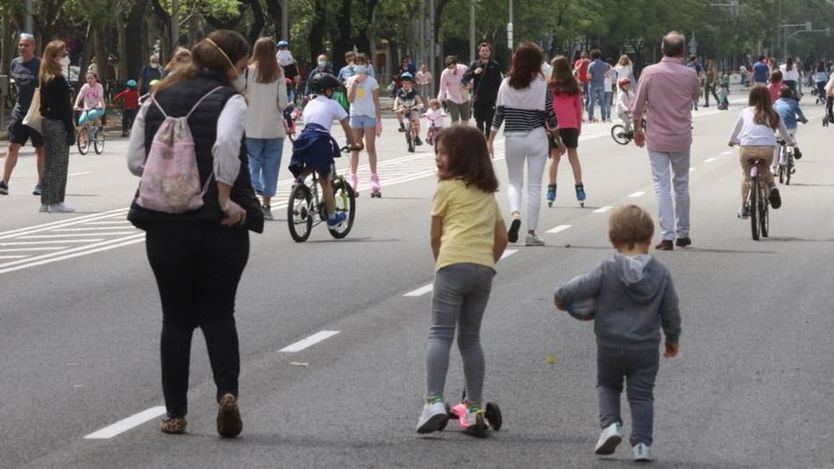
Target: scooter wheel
x=492 y=413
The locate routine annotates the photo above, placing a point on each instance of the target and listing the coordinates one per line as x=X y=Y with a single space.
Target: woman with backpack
x=197 y=238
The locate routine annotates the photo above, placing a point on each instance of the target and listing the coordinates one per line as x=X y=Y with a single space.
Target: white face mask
x=65 y=62
x=359 y=69
x=239 y=83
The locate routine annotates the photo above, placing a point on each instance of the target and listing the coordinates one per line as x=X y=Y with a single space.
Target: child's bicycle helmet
x=131 y=84
x=623 y=81
x=323 y=81
x=406 y=76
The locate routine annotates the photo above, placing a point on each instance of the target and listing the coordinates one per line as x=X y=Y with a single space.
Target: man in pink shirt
x=451 y=93
x=665 y=93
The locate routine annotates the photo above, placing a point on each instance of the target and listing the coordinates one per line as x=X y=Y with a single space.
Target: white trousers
x=531 y=147
x=674 y=220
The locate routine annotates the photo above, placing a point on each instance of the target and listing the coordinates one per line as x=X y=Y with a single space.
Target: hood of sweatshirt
x=640 y=275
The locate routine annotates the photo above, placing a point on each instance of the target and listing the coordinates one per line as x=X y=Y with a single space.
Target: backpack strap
x=200 y=101
x=154 y=101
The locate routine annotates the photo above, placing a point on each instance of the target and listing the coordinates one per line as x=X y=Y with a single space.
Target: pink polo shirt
x=666 y=90
x=450 y=82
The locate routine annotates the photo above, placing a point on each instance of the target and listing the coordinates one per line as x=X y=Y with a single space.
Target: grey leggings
x=639 y=368
x=460 y=297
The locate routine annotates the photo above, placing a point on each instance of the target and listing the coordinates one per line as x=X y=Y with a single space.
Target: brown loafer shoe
x=173 y=426
x=229 y=424
x=665 y=245
x=683 y=242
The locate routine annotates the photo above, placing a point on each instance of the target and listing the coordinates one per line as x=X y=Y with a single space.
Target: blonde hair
x=434 y=102
x=624 y=61
x=50 y=62
x=630 y=225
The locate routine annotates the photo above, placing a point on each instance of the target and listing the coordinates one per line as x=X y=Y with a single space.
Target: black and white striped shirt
x=525 y=109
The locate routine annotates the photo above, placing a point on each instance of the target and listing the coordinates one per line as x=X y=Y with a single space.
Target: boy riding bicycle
x=787 y=106
x=406 y=101
x=315 y=148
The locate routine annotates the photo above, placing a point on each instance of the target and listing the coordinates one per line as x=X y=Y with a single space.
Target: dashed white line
x=637 y=194
x=728 y=152
x=51 y=248
x=709 y=160
x=91 y=228
x=309 y=341
x=21 y=243
x=692 y=169
x=558 y=229
x=79 y=235
x=603 y=209
x=420 y=291
x=118 y=222
x=80 y=173
x=12 y=257
x=70 y=253
x=126 y=424
x=62 y=223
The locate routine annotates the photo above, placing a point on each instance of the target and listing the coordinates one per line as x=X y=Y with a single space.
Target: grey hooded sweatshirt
x=635 y=297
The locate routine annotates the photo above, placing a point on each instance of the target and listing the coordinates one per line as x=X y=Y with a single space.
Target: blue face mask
x=360 y=69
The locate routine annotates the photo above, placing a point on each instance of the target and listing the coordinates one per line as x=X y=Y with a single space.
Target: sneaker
x=472 y=421
x=417 y=141
x=353 y=180
x=512 y=233
x=434 y=416
x=775 y=198
x=580 y=192
x=665 y=245
x=333 y=221
x=4 y=188
x=37 y=190
x=744 y=212
x=173 y=426
x=551 y=193
x=642 y=452
x=683 y=242
x=60 y=208
x=533 y=240
x=44 y=208
x=267 y=212
x=229 y=424
x=402 y=128
x=609 y=439
x=629 y=135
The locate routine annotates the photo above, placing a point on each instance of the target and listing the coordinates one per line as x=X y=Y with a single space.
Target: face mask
x=360 y=69
x=239 y=83
x=322 y=63
x=64 y=61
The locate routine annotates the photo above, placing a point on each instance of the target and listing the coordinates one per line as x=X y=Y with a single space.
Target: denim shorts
x=362 y=122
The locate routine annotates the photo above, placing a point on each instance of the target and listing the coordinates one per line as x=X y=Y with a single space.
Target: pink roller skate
x=354 y=183
x=375 y=193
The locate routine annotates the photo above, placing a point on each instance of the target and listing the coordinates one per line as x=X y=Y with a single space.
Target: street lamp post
x=30 y=18
x=471 y=31
x=285 y=14
x=510 y=29
x=175 y=25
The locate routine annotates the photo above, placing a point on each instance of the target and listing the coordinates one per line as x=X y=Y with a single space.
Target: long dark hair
x=527 y=63
x=562 y=80
x=264 y=59
x=765 y=115
x=468 y=157
x=205 y=56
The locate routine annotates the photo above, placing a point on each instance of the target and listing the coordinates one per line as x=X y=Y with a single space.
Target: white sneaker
x=44 y=208
x=533 y=240
x=610 y=438
x=472 y=421
x=60 y=208
x=433 y=418
x=642 y=452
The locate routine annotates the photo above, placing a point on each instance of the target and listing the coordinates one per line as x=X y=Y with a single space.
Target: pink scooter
x=492 y=414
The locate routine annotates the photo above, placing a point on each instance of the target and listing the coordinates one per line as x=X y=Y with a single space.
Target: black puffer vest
x=176 y=102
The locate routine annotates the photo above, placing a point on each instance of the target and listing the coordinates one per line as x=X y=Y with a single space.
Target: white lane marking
x=692 y=169
x=420 y=291
x=507 y=253
x=309 y=341
x=80 y=173
x=52 y=248
x=119 y=222
x=91 y=228
x=61 y=223
x=70 y=253
x=709 y=160
x=728 y=152
x=80 y=235
x=637 y=194
x=603 y=209
x=20 y=243
x=12 y=257
x=126 y=424
x=558 y=229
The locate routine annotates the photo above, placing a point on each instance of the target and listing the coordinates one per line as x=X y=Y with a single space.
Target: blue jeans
x=264 y=160
x=597 y=94
x=90 y=115
x=606 y=105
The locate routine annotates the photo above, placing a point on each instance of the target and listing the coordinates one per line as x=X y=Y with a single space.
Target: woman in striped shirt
x=525 y=108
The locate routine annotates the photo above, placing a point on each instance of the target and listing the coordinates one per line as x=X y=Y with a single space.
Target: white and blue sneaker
x=334 y=220
x=434 y=416
x=642 y=452
x=610 y=438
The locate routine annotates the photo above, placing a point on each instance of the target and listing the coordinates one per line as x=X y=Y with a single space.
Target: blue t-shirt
x=25 y=76
x=761 y=72
x=597 y=71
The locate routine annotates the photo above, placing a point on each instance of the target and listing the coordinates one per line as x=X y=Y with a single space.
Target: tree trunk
x=136 y=39
x=273 y=8
x=258 y=24
x=316 y=37
x=342 y=43
x=100 y=34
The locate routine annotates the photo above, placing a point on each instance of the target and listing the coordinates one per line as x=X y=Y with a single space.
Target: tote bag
x=33 y=117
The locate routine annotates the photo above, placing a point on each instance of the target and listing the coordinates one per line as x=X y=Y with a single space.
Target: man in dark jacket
x=485 y=76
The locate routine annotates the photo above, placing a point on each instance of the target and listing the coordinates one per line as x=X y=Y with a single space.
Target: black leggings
x=197 y=268
x=484 y=115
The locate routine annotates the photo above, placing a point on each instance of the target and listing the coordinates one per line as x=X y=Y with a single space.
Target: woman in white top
x=790 y=74
x=525 y=108
x=754 y=132
x=266 y=93
x=365 y=117
x=624 y=69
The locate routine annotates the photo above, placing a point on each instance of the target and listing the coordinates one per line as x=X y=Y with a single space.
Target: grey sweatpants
x=639 y=368
x=460 y=297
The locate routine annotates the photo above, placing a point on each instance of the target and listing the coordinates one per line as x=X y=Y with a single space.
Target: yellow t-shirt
x=469 y=217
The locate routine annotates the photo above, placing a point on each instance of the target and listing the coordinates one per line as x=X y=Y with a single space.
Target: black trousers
x=128 y=116
x=484 y=114
x=197 y=268
x=710 y=88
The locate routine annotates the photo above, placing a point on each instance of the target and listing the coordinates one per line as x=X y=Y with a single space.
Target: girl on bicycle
x=754 y=132
x=567 y=104
x=468 y=237
x=92 y=96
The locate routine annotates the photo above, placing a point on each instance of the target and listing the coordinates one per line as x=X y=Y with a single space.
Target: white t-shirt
x=323 y=111
x=748 y=133
x=363 y=102
x=284 y=57
x=789 y=75
x=439 y=117
x=608 y=82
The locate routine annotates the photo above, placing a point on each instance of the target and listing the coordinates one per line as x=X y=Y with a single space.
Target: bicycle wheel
x=409 y=137
x=764 y=213
x=299 y=216
x=98 y=142
x=754 y=208
x=788 y=170
x=618 y=134
x=82 y=140
x=345 y=203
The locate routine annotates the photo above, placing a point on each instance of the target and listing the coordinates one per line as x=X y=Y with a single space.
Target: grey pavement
x=751 y=387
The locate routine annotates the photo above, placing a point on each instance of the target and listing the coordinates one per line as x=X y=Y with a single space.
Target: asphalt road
x=751 y=387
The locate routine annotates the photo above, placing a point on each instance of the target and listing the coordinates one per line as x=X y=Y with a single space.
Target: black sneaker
x=4 y=188
x=417 y=141
x=512 y=234
x=402 y=128
x=683 y=242
x=775 y=198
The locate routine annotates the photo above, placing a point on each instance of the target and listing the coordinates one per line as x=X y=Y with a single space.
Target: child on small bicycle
x=790 y=113
x=130 y=107
x=625 y=99
x=405 y=103
x=436 y=120
x=631 y=297
x=468 y=237
x=315 y=148
x=754 y=132
x=724 y=96
x=92 y=97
